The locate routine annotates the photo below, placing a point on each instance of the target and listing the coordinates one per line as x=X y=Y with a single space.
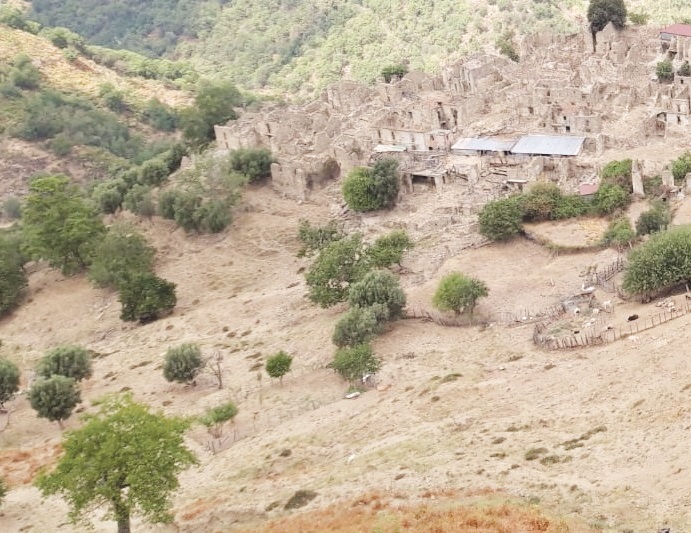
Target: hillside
x=299 y=46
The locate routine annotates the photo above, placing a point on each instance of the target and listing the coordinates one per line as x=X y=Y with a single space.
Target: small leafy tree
x=665 y=71
x=602 y=12
x=681 y=167
x=541 y=202
x=138 y=200
x=378 y=287
x=255 y=163
x=655 y=220
x=183 y=363
x=69 y=361
x=55 y=398
x=314 y=238
x=358 y=325
x=391 y=71
x=619 y=233
x=660 y=262
x=353 y=363
x=338 y=265
x=58 y=225
x=369 y=189
x=388 y=249
x=153 y=171
x=12 y=276
x=684 y=69
x=108 y=196
x=278 y=365
x=12 y=207
x=502 y=219
x=122 y=252
x=216 y=417
x=127 y=458
x=609 y=198
x=9 y=381
x=458 y=292
x=214 y=104
x=145 y=297
x=639 y=19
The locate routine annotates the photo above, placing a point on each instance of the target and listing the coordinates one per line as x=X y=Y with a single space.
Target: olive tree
x=378 y=287
x=9 y=381
x=54 y=398
x=358 y=325
x=69 y=361
x=126 y=458
x=183 y=363
x=457 y=292
x=145 y=297
x=502 y=219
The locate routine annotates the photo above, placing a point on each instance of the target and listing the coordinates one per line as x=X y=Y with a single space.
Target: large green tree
x=59 y=225
x=602 y=12
x=214 y=104
x=663 y=261
x=126 y=458
x=369 y=189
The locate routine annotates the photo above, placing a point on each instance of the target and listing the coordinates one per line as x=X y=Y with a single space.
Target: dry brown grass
x=377 y=513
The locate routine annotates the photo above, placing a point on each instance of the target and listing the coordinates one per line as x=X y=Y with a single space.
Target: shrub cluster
x=369 y=189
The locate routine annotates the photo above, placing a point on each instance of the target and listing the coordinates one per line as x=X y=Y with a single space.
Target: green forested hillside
x=299 y=45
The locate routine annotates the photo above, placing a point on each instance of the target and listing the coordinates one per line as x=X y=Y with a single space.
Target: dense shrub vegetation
x=183 y=363
x=369 y=189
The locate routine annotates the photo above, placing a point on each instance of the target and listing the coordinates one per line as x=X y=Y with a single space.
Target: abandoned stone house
x=483 y=123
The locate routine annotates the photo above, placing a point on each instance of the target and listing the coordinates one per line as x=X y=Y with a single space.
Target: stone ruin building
x=486 y=125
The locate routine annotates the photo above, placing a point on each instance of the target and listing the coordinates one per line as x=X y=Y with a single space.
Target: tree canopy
x=55 y=398
x=354 y=362
x=12 y=276
x=145 y=297
x=9 y=380
x=369 y=189
x=457 y=292
x=278 y=365
x=59 y=225
x=501 y=219
x=378 y=287
x=69 y=361
x=602 y=12
x=126 y=458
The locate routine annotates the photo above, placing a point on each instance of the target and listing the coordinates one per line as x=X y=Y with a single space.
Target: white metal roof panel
x=548 y=145
x=485 y=144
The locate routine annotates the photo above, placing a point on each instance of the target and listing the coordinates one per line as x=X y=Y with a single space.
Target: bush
x=655 y=220
x=388 y=249
x=458 y=292
x=378 y=287
x=9 y=381
x=665 y=71
x=160 y=116
x=358 y=325
x=108 y=197
x=570 y=206
x=501 y=220
x=541 y=202
x=278 y=365
x=619 y=233
x=681 y=167
x=183 y=363
x=145 y=297
x=684 y=69
x=138 y=200
x=3 y=490
x=639 y=19
x=507 y=47
x=213 y=105
x=112 y=98
x=24 y=75
x=338 y=265
x=610 y=198
x=255 y=163
x=618 y=173
x=54 y=398
x=153 y=171
x=353 y=363
x=12 y=207
x=69 y=361
x=366 y=189
x=660 y=262
x=391 y=71
x=216 y=417
x=122 y=252
x=166 y=204
x=314 y=238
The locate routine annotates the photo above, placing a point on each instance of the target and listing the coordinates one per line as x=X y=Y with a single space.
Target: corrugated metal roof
x=683 y=30
x=381 y=148
x=483 y=144
x=548 y=145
